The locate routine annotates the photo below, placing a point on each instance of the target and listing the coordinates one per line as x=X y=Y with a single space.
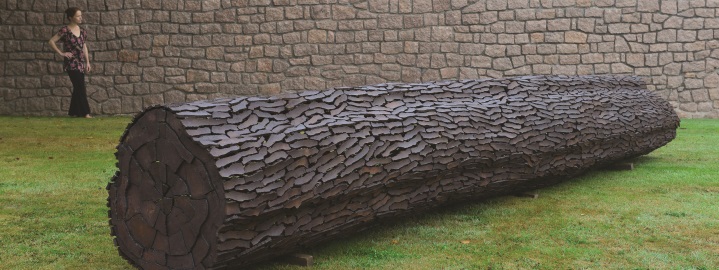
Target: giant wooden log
x=230 y=182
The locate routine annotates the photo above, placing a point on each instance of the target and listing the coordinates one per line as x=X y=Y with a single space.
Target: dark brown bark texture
x=231 y=182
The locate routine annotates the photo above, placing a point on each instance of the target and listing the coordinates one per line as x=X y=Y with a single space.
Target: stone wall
x=147 y=52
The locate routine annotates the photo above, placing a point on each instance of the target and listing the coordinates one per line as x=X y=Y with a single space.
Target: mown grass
x=662 y=215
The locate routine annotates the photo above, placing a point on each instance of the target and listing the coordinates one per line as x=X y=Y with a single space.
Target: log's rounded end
x=165 y=206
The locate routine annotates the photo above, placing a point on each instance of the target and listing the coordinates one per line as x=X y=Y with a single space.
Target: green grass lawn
x=662 y=215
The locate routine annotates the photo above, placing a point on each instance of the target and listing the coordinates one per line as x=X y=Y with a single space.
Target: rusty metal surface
x=235 y=181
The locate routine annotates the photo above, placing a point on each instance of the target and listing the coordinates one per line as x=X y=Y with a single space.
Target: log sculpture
x=230 y=182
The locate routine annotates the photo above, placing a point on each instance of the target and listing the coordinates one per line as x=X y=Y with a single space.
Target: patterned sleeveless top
x=73 y=44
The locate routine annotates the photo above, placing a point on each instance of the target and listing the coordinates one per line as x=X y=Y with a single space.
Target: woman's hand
x=67 y=55
x=88 y=68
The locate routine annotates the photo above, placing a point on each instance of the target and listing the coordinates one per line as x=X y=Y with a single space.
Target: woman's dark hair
x=70 y=12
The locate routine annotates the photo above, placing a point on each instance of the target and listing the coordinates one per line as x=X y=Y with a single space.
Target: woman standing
x=77 y=62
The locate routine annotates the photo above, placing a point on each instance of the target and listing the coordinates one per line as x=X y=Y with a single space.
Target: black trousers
x=78 y=103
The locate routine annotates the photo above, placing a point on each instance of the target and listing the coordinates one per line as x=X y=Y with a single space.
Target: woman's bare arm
x=87 y=58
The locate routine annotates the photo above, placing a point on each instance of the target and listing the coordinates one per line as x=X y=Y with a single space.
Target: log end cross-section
x=166 y=199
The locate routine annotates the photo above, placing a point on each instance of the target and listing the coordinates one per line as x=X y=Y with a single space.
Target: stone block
x=391 y=47
x=319 y=12
x=454 y=60
x=551 y=59
x=453 y=17
x=449 y=73
x=390 y=35
x=619 y=28
x=621 y=68
x=707 y=107
x=513 y=27
x=325 y=49
x=575 y=37
x=686 y=35
x=279 y=66
x=673 y=69
x=521 y=38
x=635 y=59
x=688 y=107
x=564 y=70
x=28 y=83
x=106 y=33
x=153 y=74
x=194 y=76
x=110 y=18
x=694 y=66
x=130 y=70
x=382 y=6
x=525 y=14
x=536 y=26
x=430 y=75
x=711 y=80
x=542 y=69
x=536 y=37
x=605 y=47
x=294 y=12
x=437 y=60
x=457 y=4
x=712 y=23
x=317 y=36
x=342 y=12
x=414 y=21
x=592 y=58
x=669 y=7
x=204 y=64
x=112 y=106
x=517 y=4
x=497 y=28
x=208 y=5
x=693 y=23
x=667 y=35
x=694 y=46
x=502 y=64
x=546 y=48
x=499 y=4
x=714 y=94
x=496 y=50
x=673 y=22
x=264 y=65
x=693 y=83
x=410 y=74
x=227 y=15
x=471 y=49
x=440 y=6
x=442 y=33
x=612 y=15
x=571 y=59
x=586 y=24
x=223 y=40
x=488 y=17
x=389 y=22
x=314 y=83
x=206 y=88
x=700 y=95
x=180 y=17
x=131 y=104
x=558 y=25
x=150 y=4
x=150 y=100
x=411 y=47
x=272 y=89
x=514 y=50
